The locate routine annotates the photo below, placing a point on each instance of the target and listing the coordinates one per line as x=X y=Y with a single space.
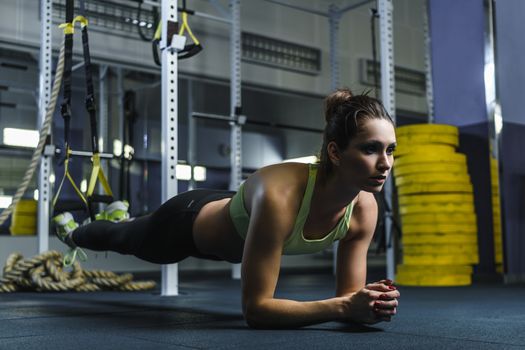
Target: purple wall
x=457 y=34
x=457 y=47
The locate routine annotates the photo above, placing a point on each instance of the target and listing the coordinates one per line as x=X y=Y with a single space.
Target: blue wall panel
x=457 y=29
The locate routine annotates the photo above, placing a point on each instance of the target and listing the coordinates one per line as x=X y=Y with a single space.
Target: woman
x=281 y=209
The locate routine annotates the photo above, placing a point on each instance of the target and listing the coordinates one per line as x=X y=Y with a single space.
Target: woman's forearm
x=283 y=313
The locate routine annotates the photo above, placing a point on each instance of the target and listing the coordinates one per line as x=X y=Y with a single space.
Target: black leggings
x=163 y=237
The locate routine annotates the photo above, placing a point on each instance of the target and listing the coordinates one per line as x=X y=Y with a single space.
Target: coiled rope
x=44 y=132
x=44 y=273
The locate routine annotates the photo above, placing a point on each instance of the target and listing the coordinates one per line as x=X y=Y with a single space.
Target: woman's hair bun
x=334 y=101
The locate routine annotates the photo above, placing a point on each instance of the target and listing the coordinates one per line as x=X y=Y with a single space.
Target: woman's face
x=368 y=159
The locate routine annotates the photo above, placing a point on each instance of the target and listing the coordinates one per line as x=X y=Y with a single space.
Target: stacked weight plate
x=436 y=207
x=23 y=221
x=496 y=214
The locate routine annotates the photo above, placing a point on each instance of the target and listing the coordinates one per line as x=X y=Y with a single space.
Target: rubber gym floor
x=207 y=315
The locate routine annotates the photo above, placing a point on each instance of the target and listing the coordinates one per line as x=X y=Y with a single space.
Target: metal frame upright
x=235 y=106
x=45 y=62
x=386 y=10
x=169 y=104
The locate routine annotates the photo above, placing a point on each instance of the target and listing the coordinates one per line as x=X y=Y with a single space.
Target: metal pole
x=170 y=278
x=103 y=118
x=192 y=135
x=235 y=106
x=334 y=19
x=120 y=130
x=428 y=62
x=354 y=6
x=495 y=126
x=386 y=9
x=299 y=8
x=44 y=187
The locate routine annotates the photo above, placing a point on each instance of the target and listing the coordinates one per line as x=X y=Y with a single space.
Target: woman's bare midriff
x=214 y=233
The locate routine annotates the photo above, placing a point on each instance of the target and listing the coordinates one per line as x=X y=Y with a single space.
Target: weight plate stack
x=436 y=206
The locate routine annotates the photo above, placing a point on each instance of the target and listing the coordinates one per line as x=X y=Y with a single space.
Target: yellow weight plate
x=439 y=228
x=437 y=218
x=498 y=258
x=435 y=270
x=437 y=208
x=435 y=188
x=449 y=249
x=430 y=158
x=427 y=129
x=499 y=267
x=408 y=149
x=440 y=259
x=20 y=230
x=434 y=281
x=440 y=238
x=429 y=168
x=431 y=178
x=426 y=139
x=435 y=198
x=26 y=205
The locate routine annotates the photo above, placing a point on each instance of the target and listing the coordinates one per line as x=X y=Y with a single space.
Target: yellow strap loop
x=68 y=176
x=158 y=32
x=68 y=28
x=98 y=173
x=187 y=27
x=82 y=20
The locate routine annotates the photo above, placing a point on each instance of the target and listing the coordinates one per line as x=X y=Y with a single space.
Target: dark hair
x=344 y=114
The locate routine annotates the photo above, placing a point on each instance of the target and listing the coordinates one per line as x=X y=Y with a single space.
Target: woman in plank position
x=287 y=208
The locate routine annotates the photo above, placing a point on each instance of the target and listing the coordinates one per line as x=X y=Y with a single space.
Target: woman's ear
x=333 y=153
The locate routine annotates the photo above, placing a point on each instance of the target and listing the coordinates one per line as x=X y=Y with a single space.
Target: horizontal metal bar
x=256 y=122
x=300 y=8
x=212 y=17
x=90 y=154
x=195 y=13
x=212 y=116
x=283 y=126
x=354 y=6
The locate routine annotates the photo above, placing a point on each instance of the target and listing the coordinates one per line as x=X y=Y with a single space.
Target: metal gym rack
x=170 y=104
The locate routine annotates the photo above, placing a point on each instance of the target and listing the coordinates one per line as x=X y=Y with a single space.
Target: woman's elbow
x=253 y=316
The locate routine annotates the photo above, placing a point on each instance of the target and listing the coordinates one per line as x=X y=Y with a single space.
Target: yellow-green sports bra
x=296 y=243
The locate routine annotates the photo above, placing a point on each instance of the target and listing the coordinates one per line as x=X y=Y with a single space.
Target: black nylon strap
x=90 y=91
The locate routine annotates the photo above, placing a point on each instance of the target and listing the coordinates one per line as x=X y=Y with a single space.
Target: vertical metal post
x=335 y=81
x=428 y=62
x=120 y=123
x=235 y=106
x=386 y=9
x=103 y=118
x=44 y=189
x=335 y=18
x=495 y=123
x=192 y=135
x=170 y=278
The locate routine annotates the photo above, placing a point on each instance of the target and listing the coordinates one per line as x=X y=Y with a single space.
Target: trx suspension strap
x=189 y=50
x=97 y=172
x=65 y=109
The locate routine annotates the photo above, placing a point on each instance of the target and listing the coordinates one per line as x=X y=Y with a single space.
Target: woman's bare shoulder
x=284 y=181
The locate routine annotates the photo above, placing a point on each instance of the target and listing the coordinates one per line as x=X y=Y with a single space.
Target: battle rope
x=44 y=273
x=44 y=132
